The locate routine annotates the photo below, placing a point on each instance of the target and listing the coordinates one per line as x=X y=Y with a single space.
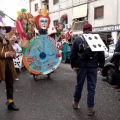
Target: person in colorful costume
x=63 y=36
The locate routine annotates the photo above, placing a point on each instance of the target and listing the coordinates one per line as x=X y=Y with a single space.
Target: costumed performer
x=7 y=69
x=63 y=36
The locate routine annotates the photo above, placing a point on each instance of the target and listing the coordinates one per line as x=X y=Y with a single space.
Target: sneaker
x=91 y=111
x=75 y=105
x=17 y=79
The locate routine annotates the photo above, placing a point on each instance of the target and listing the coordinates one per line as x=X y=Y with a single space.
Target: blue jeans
x=91 y=74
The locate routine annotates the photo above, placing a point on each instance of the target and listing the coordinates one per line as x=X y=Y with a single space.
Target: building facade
x=102 y=14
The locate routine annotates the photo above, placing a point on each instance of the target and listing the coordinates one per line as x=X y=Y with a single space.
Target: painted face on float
x=43 y=22
x=24 y=21
x=2 y=31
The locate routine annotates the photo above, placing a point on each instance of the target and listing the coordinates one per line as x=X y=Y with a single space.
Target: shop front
x=108 y=33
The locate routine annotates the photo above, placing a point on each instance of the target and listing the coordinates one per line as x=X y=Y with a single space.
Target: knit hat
x=87 y=27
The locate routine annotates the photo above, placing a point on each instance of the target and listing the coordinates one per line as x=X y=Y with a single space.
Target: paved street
x=47 y=99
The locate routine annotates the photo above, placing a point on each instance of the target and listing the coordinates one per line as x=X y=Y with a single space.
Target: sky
x=10 y=7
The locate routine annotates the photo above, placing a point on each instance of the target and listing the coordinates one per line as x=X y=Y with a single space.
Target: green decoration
x=27 y=27
x=23 y=10
x=24 y=50
x=58 y=33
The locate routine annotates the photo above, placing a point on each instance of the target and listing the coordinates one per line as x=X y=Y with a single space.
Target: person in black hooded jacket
x=116 y=61
x=85 y=68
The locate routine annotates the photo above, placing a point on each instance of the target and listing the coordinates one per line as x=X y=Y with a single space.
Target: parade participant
x=85 y=68
x=116 y=62
x=8 y=72
x=15 y=46
x=17 y=49
x=63 y=36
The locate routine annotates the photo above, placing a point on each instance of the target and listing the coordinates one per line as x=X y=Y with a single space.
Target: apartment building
x=105 y=18
x=34 y=5
x=102 y=14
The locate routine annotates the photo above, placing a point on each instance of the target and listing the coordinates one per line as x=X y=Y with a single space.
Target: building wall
x=32 y=6
x=111 y=16
x=64 y=7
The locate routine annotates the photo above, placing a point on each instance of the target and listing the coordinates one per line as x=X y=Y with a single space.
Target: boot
x=91 y=111
x=11 y=106
x=75 y=105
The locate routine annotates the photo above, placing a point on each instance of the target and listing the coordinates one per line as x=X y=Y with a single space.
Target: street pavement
x=50 y=99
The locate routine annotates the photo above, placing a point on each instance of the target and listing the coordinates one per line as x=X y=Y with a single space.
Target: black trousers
x=9 y=82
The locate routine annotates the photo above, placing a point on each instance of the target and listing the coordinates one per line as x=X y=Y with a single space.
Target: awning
x=80 y=11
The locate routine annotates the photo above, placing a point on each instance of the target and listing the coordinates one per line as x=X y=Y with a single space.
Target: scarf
x=3 y=40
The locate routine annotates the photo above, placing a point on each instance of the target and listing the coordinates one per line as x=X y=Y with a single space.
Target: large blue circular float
x=41 y=56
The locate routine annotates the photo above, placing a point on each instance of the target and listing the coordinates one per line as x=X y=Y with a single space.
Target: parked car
x=109 y=54
x=108 y=70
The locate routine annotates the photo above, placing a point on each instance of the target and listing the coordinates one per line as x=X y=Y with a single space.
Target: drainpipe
x=30 y=6
x=117 y=13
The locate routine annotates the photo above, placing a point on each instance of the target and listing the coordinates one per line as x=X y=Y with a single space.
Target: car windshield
x=111 y=48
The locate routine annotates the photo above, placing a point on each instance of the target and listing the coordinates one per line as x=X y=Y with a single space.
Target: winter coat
x=76 y=61
x=3 y=61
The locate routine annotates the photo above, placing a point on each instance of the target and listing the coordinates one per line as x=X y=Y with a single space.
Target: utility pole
x=3 y=15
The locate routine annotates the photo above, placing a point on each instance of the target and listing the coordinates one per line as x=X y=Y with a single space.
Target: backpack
x=85 y=51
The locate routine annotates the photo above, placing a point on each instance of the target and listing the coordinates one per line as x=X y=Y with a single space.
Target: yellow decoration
x=18 y=12
x=44 y=11
x=25 y=43
x=39 y=11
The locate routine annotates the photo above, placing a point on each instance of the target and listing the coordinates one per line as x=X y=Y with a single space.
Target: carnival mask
x=43 y=22
x=2 y=31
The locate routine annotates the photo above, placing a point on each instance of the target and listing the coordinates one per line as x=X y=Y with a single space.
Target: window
x=36 y=6
x=55 y=22
x=99 y=12
x=55 y=1
x=80 y=19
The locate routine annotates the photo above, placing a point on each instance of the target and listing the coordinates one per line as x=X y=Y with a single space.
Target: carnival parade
x=58 y=61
